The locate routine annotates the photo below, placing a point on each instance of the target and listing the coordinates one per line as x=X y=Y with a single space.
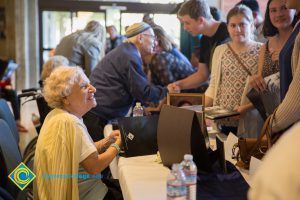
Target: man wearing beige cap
x=120 y=80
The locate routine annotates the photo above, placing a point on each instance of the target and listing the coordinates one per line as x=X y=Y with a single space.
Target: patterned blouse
x=270 y=66
x=166 y=68
x=233 y=79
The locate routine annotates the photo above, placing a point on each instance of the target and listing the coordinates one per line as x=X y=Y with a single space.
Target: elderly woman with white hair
x=67 y=162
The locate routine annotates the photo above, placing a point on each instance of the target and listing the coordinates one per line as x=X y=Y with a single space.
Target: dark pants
x=11 y=96
x=227 y=129
x=94 y=125
x=114 y=190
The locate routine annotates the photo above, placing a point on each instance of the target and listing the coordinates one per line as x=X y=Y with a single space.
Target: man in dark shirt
x=196 y=18
x=120 y=80
x=114 y=40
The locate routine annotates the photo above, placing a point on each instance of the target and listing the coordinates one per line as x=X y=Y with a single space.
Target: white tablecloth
x=142 y=178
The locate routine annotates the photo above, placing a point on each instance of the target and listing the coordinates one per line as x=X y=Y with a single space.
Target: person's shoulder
x=165 y=53
x=58 y=115
x=222 y=34
x=256 y=45
x=221 y=47
x=122 y=37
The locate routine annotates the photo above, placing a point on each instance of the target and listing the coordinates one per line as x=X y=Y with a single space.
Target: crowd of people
x=87 y=89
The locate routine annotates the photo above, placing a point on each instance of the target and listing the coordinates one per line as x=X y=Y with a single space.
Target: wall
x=21 y=42
x=7 y=45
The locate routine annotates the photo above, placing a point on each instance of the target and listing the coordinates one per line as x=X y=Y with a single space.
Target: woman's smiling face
x=81 y=99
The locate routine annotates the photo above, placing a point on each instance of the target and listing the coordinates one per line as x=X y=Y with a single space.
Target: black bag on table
x=138 y=135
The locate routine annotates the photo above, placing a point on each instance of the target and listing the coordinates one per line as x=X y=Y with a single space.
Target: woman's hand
x=274 y=55
x=242 y=110
x=114 y=136
x=257 y=82
x=173 y=88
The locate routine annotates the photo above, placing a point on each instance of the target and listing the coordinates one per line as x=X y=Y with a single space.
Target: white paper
x=254 y=164
x=228 y=144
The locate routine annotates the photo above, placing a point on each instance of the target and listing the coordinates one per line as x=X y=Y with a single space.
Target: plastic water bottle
x=190 y=171
x=138 y=110
x=176 y=186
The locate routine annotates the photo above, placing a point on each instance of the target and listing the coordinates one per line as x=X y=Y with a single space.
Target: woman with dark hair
x=277 y=28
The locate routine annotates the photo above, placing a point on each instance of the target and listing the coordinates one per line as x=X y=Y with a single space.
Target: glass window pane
x=128 y=19
x=171 y=25
x=83 y=18
x=56 y=24
x=113 y=18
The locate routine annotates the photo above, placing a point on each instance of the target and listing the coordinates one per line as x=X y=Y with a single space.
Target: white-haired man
x=120 y=80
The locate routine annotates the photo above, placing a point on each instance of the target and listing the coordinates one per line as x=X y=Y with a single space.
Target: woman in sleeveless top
x=277 y=27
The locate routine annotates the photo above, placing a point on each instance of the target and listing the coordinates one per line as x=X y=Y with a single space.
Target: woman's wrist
x=103 y=144
x=116 y=146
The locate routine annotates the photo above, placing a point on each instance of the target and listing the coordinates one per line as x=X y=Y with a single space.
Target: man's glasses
x=153 y=37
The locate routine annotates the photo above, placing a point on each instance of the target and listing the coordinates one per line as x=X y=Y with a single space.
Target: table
x=142 y=177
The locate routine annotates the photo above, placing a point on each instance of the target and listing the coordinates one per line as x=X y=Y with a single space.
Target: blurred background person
x=52 y=63
x=114 y=40
x=9 y=94
x=215 y=13
x=84 y=48
x=167 y=64
x=258 y=19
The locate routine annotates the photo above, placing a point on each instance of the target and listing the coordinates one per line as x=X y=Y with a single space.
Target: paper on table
x=228 y=144
x=254 y=164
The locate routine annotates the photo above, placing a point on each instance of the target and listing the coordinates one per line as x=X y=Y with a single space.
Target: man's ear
x=139 y=38
x=200 y=20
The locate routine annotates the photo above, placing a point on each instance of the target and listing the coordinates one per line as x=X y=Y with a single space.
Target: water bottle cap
x=188 y=157
x=176 y=166
x=138 y=103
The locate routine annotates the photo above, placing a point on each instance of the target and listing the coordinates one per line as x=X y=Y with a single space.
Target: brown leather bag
x=256 y=147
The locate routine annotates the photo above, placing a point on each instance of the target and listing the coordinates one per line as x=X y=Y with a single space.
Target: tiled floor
x=26 y=111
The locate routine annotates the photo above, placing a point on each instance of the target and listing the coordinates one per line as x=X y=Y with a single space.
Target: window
x=57 y=24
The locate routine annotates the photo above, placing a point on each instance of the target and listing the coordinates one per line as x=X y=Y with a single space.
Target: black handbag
x=139 y=135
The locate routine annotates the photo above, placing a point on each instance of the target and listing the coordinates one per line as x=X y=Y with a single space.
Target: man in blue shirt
x=120 y=80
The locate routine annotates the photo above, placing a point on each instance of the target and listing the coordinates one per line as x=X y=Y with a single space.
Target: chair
x=4 y=195
x=8 y=117
x=10 y=157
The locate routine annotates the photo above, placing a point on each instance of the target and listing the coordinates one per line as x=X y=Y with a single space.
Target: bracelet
x=116 y=147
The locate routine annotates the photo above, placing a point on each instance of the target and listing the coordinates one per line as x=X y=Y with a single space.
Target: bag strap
x=265 y=131
x=239 y=60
